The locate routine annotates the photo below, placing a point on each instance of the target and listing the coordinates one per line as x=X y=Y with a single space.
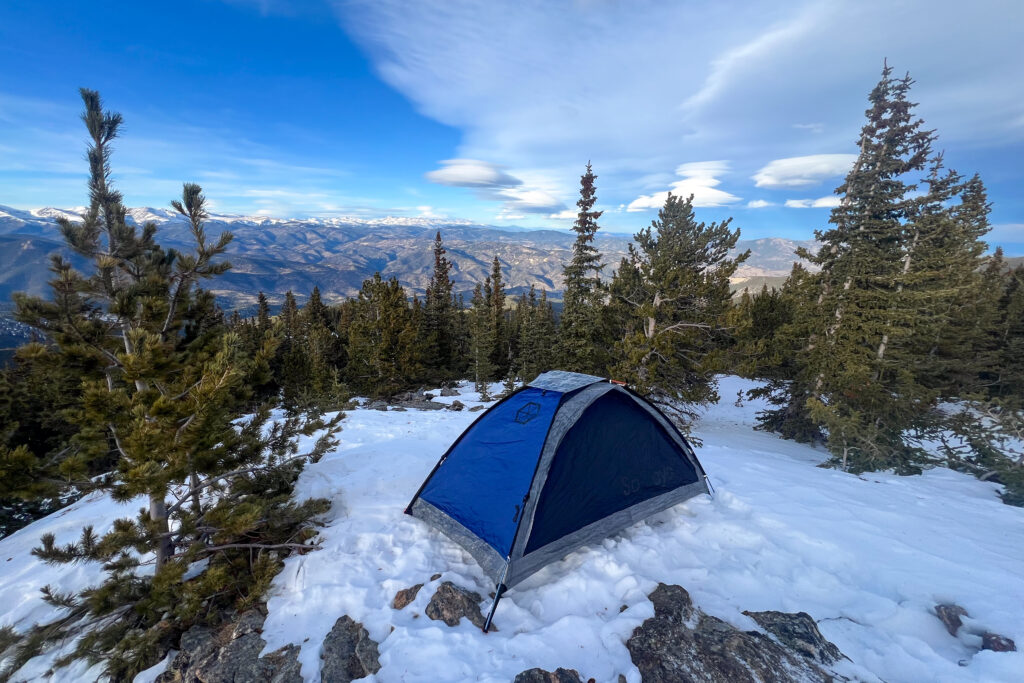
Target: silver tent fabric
x=562 y=381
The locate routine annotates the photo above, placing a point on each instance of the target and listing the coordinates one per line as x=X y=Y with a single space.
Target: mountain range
x=274 y=255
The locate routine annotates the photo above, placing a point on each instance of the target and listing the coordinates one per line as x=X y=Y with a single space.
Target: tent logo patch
x=527 y=412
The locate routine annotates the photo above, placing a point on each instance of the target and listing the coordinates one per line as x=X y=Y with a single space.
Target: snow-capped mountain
x=277 y=254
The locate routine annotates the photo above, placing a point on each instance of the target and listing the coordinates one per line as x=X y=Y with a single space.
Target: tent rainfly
x=564 y=462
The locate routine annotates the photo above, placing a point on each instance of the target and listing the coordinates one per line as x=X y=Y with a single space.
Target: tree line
x=900 y=346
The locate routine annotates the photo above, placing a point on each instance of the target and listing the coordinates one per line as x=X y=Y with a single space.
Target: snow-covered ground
x=868 y=557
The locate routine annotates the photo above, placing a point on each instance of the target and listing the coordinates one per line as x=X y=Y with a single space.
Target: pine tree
x=501 y=354
x=292 y=361
x=162 y=388
x=481 y=339
x=262 y=314
x=440 y=316
x=535 y=334
x=860 y=380
x=675 y=287
x=581 y=348
x=378 y=336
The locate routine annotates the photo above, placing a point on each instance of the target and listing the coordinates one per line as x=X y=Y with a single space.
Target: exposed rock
x=559 y=675
x=428 y=397
x=681 y=643
x=377 y=405
x=422 y=404
x=208 y=656
x=475 y=409
x=950 y=615
x=405 y=596
x=456 y=405
x=348 y=653
x=450 y=603
x=799 y=633
x=997 y=643
x=449 y=391
x=435 y=577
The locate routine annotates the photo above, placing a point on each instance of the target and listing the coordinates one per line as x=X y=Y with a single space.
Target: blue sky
x=488 y=111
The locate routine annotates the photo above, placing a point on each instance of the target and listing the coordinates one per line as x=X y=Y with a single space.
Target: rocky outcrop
x=405 y=596
x=559 y=675
x=450 y=603
x=449 y=391
x=456 y=405
x=348 y=653
x=231 y=654
x=680 y=643
x=799 y=633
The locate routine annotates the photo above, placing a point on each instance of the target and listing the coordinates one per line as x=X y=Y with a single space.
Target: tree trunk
x=158 y=514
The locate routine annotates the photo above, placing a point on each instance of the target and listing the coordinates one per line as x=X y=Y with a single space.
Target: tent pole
x=498 y=591
x=708 y=482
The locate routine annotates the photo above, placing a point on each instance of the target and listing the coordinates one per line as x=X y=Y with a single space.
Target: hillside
x=868 y=557
x=337 y=254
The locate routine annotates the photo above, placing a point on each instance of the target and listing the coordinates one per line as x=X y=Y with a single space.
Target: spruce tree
x=675 y=287
x=581 y=348
x=860 y=381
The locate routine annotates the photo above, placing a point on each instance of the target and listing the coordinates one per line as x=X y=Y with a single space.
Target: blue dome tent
x=564 y=462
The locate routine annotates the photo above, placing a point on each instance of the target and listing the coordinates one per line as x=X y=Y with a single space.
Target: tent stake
x=498 y=591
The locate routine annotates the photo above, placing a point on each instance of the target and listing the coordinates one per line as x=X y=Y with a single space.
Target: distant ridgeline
x=338 y=254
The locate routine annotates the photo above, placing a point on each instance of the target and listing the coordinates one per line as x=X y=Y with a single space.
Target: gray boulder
x=231 y=654
x=680 y=643
x=449 y=391
x=456 y=405
x=559 y=675
x=799 y=633
x=348 y=653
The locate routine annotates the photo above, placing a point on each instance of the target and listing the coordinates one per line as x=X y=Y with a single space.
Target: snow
x=867 y=556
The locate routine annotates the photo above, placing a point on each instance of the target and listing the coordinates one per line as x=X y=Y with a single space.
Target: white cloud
x=492 y=183
x=540 y=86
x=428 y=212
x=820 y=203
x=567 y=214
x=523 y=200
x=801 y=171
x=699 y=179
x=471 y=173
x=759 y=204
